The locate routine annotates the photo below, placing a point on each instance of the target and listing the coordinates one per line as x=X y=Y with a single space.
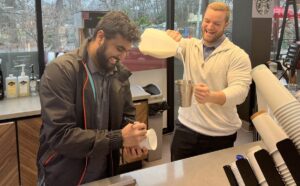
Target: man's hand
x=201 y=92
x=174 y=34
x=131 y=154
x=133 y=133
x=204 y=95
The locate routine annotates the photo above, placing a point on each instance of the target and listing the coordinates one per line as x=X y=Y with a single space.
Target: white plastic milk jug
x=157 y=43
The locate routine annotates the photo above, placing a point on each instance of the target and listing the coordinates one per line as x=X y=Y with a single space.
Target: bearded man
x=85 y=96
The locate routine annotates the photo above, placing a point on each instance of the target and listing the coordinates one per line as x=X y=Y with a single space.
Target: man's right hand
x=133 y=134
x=174 y=34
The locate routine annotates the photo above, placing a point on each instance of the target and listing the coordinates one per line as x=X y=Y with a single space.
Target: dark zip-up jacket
x=72 y=149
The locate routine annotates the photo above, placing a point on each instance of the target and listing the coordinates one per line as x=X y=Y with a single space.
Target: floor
x=244 y=136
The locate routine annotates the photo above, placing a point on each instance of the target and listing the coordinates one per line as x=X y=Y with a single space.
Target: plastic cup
x=150 y=142
x=185 y=90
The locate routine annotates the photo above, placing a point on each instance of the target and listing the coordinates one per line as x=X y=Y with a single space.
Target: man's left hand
x=131 y=154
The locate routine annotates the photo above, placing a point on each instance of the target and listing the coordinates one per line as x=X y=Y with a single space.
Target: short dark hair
x=117 y=22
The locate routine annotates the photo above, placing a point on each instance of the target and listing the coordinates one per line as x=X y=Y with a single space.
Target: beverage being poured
x=157 y=43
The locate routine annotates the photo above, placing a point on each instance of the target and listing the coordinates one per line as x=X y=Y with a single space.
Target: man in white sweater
x=220 y=72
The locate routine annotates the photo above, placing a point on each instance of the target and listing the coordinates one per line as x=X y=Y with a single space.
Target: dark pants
x=187 y=143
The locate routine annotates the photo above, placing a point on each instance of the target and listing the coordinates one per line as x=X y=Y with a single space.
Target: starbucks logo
x=263 y=6
x=23 y=82
x=11 y=83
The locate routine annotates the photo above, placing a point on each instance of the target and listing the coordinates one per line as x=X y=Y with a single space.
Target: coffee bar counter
x=30 y=106
x=19 y=107
x=201 y=170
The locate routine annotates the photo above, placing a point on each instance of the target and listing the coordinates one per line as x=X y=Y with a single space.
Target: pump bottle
x=11 y=86
x=23 y=82
x=1 y=82
x=32 y=82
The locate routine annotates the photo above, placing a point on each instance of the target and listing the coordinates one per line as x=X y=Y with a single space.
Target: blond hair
x=220 y=6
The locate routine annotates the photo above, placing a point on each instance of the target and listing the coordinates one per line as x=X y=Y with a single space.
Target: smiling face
x=110 y=51
x=213 y=25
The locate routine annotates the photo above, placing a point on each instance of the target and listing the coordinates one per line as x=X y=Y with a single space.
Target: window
x=63 y=29
x=289 y=35
x=18 y=39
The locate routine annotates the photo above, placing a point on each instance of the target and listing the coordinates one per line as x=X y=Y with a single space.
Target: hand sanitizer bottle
x=1 y=82
x=11 y=86
x=32 y=82
x=23 y=82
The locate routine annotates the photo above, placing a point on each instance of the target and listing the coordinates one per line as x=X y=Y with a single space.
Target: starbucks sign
x=262 y=8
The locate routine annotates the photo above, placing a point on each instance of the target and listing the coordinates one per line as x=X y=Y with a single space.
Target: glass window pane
x=289 y=35
x=18 y=39
x=64 y=27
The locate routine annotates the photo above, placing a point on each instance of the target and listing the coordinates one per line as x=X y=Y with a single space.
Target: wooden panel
x=141 y=111
x=28 y=138
x=9 y=174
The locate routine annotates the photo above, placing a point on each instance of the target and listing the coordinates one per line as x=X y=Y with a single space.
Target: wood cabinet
x=141 y=111
x=9 y=174
x=28 y=139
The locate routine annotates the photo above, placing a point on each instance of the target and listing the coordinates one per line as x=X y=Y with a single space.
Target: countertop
x=201 y=170
x=20 y=107
x=30 y=106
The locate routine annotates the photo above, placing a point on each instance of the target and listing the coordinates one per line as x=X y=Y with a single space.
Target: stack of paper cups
x=271 y=134
x=275 y=94
x=282 y=103
x=255 y=167
x=288 y=117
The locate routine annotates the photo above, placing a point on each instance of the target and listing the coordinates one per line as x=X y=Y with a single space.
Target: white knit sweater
x=226 y=69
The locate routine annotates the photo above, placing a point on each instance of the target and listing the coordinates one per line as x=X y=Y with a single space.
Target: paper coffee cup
x=270 y=88
x=150 y=142
x=270 y=132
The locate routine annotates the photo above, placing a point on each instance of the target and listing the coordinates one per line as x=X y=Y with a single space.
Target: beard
x=212 y=39
x=102 y=59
